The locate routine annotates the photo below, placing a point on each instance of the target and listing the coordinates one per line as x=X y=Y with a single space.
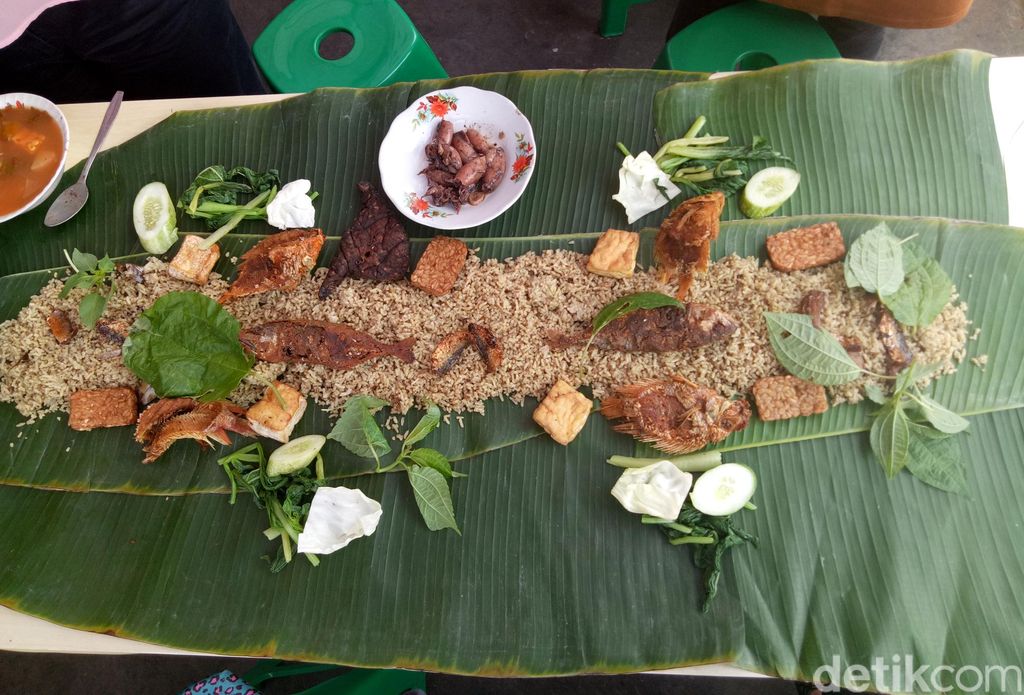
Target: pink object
x=18 y=14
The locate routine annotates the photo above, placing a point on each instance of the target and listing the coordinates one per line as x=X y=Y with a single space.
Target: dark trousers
x=88 y=49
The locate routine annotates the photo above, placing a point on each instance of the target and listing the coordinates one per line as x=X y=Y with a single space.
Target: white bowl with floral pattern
x=402 y=154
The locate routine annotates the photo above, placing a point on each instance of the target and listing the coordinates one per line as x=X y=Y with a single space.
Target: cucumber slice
x=295 y=455
x=724 y=489
x=154 y=218
x=767 y=190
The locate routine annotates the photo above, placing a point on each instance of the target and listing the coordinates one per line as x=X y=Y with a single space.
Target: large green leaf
x=551 y=576
x=980 y=258
x=331 y=137
x=913 y=138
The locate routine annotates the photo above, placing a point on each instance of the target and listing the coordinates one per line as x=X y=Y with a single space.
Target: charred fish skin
x=664 y=329
x=334 y=345
x=675 y=415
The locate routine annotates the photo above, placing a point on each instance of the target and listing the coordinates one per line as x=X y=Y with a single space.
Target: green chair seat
x=746 y=36
x=614 y=14
x=386 y=48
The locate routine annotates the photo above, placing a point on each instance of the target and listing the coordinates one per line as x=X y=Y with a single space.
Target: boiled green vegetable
x=186 y=344
x=216 y=192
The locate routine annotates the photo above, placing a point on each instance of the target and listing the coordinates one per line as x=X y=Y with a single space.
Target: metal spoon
x=73 y=199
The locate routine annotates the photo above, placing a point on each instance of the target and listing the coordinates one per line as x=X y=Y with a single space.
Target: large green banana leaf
x=912 y=138
x=980 y=258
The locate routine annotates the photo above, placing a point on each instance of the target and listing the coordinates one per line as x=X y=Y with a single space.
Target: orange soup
x=31 y=145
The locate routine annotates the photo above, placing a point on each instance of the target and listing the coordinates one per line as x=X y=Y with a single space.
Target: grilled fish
x=665 y=329
x=279 y=262
x=683 y=243
x=202 y=422
x=334 y=345
x=675 y=415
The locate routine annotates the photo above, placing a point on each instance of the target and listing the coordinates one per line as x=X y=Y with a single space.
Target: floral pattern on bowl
x=402 y=157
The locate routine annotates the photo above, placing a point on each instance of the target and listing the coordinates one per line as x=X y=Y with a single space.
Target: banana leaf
x=331 y=137
x=911 y=138
x=980 y=259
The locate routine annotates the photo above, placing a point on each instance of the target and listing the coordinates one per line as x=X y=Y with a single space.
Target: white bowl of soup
x=33 y=151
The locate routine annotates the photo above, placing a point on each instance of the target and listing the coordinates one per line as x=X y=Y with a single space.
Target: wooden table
x=19 y=632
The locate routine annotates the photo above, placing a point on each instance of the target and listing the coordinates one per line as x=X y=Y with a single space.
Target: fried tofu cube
x=269 y=419
x=563 y=412
x=784 y=397
x=614 y=256
x=61 y=327
x=440 y=265
x=806 y=247
x=95 y=408
x=192 y=262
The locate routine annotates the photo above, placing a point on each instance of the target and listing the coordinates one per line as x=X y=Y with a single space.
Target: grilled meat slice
x=449 y=351
x=113 y=331
x=898 y=353
x=279 y=262
x=813 y=304
x=665 y=329
x=675 y=415
x=374 y=247
x=334 y=345
x=488 y=346
x=205 y=422
x=683 y=243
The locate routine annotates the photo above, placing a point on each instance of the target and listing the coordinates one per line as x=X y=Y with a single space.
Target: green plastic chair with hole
x=355 y=681
x=749 y=35
x=614 y=14
x=386 y=47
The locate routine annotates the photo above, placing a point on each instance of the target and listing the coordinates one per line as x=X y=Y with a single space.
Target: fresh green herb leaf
x=430 y=458
x=807 y=352
x=433 y=498
x=923 y=295
x=875 y=261
x=935 y=460
x=90 y=309
x=427 y=424
x=890 y=439
x=84 y=262
x=941 y=418
x=186 y=344
x=875 y=393
x=357 y=431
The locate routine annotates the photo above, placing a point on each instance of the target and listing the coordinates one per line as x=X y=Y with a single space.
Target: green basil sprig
x=93 y=274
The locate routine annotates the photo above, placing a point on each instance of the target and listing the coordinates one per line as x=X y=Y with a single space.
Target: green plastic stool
x=613 y=16
x=749 y=35
x=356 y=681
x=386 y=48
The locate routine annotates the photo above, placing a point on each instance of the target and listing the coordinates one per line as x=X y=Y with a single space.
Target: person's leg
x=85 y=50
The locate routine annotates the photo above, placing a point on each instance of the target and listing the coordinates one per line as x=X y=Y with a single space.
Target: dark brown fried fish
x=665 y=329
x=334 y=345
x=374 y=247
x=675 y=415
x=898 y=353
x=202 y=422
x=683 y=243
x=279 y=262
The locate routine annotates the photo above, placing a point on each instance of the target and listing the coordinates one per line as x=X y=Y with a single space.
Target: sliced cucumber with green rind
x=154 y=218
x=724 y=489
x=767 y=190
x=295 y=455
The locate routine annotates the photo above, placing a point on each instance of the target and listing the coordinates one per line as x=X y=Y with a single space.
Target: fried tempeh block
x=806 y=247
x=784 y=397
x=614 y=256
x=563 y=412
x=440 y=265
x=95 y=408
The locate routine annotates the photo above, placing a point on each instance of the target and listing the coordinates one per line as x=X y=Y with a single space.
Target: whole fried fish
x=664 y=329
x=683 y=243
x=279 y=262
x=334 y=345
x=675 y=415
x=189 y=419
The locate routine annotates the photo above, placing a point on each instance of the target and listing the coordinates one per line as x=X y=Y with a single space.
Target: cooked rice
x=520 y=299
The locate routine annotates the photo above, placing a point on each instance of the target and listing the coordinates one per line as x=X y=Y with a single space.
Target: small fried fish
x=683 y=243
x=665 y=329
x=279 y=262
x=203 y=423
x=675 y=415
x=334 y=345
